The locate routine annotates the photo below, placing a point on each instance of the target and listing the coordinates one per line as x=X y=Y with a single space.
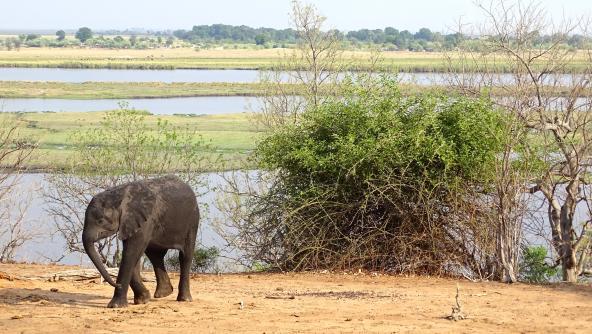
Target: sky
x=438 y=15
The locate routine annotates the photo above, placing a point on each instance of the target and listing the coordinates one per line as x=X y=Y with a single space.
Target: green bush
x=378 y=180
x=534 y=268
x=204 y=260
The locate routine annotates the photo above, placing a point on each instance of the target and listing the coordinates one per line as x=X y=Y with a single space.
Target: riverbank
x=125 y=90
x=230 y=136
x=190 y=58
x=295 y=303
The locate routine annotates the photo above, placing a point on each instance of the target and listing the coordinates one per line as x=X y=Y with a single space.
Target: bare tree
x=15 y=152
x=306 y=76
x=15 y=228
x=510 y=203
x=549 y=100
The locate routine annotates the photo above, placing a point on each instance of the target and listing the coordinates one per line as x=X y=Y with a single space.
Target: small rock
x=15 y=317
x=54 y=290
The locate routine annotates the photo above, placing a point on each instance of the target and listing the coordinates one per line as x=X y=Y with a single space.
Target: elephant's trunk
x=91 y=251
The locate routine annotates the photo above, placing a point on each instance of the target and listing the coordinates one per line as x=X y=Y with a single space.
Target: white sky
x=438 y=15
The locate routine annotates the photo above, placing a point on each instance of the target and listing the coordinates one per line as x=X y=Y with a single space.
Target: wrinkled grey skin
x=150 y=217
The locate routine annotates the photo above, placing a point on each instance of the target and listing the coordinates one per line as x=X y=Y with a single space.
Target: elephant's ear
x=136 y=208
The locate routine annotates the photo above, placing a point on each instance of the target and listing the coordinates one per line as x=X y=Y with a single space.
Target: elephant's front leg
x=132 y=251
x=141 y=294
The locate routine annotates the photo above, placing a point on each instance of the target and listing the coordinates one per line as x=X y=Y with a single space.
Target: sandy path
x=323 y=303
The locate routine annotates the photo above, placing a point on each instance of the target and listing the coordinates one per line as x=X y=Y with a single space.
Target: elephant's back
x=171 y=184
x=175 y=193
x=179 y=212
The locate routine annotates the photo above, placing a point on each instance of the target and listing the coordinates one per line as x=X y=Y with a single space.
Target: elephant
x=149 y=216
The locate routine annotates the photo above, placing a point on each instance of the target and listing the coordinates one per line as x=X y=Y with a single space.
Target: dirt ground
x=294 y=303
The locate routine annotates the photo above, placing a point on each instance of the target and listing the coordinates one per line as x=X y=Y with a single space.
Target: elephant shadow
x=21 y=296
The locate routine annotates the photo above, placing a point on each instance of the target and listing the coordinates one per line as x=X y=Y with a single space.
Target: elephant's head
x=122 y=210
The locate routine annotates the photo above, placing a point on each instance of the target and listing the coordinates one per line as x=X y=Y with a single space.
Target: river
x=202 y=76
x=160 y=106
x=49 y=245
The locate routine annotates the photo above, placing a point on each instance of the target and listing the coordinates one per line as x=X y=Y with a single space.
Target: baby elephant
x=151 y=217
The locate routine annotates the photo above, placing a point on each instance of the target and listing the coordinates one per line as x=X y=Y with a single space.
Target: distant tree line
x=238 y=34
x=389 y=39
x=87 y=37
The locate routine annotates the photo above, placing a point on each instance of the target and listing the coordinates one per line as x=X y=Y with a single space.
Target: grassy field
x=135 y=90
x=189 y=58
x=230 y=136
x=140 y=59
x=123 y=90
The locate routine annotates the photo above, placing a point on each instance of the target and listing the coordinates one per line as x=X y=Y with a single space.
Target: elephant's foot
x=117 y=303
x=163 y=291
x=142 y=298
x=184 y=297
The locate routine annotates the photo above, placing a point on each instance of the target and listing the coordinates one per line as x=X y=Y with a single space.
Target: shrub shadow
x=18 y=296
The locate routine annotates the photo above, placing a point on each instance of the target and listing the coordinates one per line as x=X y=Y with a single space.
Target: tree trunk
x=508 y=273
x=506 y=258
x=568 y=251
x=569 y=263
x=570 y=275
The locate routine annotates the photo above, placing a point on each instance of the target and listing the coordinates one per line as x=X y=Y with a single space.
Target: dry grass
x=218 y=58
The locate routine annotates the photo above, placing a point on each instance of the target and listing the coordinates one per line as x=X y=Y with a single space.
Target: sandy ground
x=295 y=303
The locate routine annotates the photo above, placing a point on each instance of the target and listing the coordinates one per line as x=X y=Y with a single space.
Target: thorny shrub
x=377 y=180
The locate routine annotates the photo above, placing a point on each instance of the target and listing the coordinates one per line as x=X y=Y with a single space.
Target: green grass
x=131 y=90
x=123 y=90
x=230 y=136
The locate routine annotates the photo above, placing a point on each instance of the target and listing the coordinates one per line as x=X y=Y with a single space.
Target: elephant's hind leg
x=141 y=294
x=185 y=258
x=163 y=283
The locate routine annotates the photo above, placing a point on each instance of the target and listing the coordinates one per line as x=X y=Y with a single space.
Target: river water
x=161 y=106
x=108 y=75
x=52 y=246
x=203 y=105
x=49 y=245
x=204 y=76
x=167 y=106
